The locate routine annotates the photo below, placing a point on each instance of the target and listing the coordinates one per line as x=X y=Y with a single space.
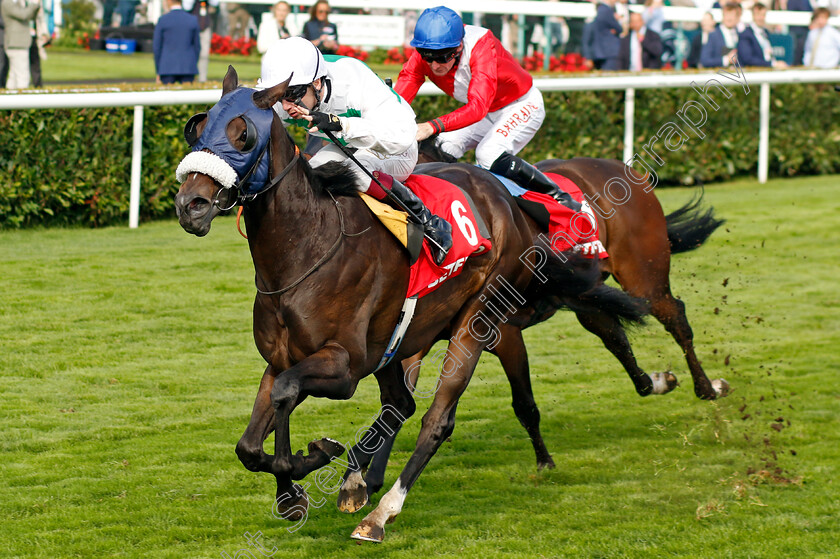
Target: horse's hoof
x=353 y=494
x=545 y=464
x=369 y=532
x=329 y=447
x=663 y=382
x=291 y=505
x=721 y=387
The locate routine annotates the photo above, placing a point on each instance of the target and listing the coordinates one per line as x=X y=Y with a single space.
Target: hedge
x=72 y=166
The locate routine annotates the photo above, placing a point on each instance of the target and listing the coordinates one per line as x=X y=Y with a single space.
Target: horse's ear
x=266 y=98
x=230 y=82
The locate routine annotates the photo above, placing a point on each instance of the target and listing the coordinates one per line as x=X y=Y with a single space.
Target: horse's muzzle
x=194 y=213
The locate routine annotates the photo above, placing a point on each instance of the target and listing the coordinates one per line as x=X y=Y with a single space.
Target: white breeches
x=507 y=130
x=398 y=166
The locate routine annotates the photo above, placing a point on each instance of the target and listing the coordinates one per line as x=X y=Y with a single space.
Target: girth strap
x=403 y=323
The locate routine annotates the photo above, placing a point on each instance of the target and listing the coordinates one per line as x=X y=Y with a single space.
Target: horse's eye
x=249 y=135
x=190 y=130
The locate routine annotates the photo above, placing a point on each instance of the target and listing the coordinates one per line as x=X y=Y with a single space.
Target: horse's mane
x=430 y=148
x=335 y=177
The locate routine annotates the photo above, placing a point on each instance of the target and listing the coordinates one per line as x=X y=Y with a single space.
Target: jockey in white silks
x=343 y=96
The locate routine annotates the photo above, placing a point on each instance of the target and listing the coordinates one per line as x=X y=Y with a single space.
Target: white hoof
x=353 y=494
x=721 y=387
x=372 y=528
x=663 y=382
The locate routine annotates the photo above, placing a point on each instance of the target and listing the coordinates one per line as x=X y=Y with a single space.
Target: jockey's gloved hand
x=325 y=121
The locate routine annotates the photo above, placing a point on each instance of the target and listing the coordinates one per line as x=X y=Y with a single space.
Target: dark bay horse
x=640 y=240
x=331 y=282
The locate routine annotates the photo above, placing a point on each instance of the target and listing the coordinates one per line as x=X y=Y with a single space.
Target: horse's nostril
x=197 y=205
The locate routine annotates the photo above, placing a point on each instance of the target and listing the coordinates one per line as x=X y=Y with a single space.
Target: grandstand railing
x=627 y=82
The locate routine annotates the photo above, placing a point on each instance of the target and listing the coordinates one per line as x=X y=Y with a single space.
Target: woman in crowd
x=319 y=30
x=273 y=29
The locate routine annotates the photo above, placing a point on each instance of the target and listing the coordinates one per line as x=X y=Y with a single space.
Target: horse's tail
x=626 y=309
x=576 y=282
x=691 y=225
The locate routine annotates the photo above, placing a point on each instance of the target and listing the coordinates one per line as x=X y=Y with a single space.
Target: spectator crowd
x=623 y=34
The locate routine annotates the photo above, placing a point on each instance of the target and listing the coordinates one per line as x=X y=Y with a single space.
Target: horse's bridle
x=241 y=198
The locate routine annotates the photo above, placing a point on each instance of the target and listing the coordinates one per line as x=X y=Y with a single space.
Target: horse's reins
x=323 y=259
x=241 y=198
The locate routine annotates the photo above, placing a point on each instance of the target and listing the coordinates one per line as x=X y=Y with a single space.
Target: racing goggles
x=439 y=56
x=295 y=93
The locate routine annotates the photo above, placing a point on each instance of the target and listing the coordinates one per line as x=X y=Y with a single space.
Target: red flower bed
x=345 y=50
x=572 y=62
x=226 y=45
x=398 y=55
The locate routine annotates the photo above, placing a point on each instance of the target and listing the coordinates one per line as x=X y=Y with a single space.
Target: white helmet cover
x=294 y=56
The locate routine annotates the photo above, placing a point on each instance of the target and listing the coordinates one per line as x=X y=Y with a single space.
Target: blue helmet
x=438 y=28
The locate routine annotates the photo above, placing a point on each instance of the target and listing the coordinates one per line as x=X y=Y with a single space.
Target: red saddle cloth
x=568 y=229
x=469 y=233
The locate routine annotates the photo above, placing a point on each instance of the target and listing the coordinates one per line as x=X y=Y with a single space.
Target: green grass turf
x=73 y=65
x=128 y=375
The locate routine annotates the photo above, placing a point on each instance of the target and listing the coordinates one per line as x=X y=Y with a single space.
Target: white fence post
x=629 y=122
x=763 y=132
x=136 y=162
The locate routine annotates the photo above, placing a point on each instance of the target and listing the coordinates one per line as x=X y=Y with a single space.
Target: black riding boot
x=529 y=177
x=435 y=228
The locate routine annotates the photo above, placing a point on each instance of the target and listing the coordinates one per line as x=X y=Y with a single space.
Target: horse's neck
x=288 y=228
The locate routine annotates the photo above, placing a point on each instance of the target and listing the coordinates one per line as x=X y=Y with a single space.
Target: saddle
x=567 y=229
x=470 y=236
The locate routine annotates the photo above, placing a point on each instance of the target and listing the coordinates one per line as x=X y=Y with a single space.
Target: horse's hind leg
x=374 y=448
x=643 y=270
x=670 y=311
x=615 y=339
x=514 y=358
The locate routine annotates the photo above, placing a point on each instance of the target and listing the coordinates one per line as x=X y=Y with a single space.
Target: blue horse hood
x=240 y=103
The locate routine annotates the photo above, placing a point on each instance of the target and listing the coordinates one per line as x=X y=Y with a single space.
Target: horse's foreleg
x=514 y=358
x=615 y=339
x=375 y=447
x=325 y=373
x=249 y=449
x=438 y=424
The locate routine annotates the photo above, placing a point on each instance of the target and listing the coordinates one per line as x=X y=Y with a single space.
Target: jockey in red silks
x=503 y=109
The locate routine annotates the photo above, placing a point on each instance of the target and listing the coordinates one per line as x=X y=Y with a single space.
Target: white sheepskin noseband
x=208 y=164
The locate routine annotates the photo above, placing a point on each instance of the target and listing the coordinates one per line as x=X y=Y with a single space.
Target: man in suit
x=177 y=45
x=798 y=32
x=822 y=46
x=605 y=39
x=587 y=44
x=754 y=47
x=641 y=48
x=722 y=48
x=707 y=27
